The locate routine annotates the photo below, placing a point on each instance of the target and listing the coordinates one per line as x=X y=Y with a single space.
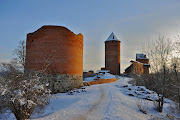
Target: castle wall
x=138 y=68
x=146 y=70
x=101 y=81
x=56 y=50
x=56 y=82
x=112 y=56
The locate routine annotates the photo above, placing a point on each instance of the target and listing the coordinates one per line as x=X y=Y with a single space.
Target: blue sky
x=134 y=22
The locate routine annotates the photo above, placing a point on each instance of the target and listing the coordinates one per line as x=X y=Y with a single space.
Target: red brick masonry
x=112 y=56
x=56 y=48
x=101 y=81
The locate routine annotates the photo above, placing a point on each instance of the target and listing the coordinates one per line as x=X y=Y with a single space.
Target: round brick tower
x=56 y=50
x=112 y=54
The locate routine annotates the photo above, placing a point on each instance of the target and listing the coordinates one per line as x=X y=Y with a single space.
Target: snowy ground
x=111 y=101
x=103 y=76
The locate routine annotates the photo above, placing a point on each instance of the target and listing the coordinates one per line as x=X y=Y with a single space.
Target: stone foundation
x=65 y=82
x=57 y=82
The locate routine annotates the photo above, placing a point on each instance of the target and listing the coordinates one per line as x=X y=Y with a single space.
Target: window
x=113 y=37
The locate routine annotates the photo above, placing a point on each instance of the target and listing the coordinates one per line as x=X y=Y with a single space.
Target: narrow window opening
x=113 y=37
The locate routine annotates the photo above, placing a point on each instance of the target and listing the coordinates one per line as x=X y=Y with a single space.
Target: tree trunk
x=24 y=113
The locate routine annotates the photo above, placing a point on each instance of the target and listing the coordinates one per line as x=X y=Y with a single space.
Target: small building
x=143 y=59
x=140 y=66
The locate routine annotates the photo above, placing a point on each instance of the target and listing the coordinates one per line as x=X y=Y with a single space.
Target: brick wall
x=101 y=81
x=146 y=70
x=138 y=68
x=112 y=56
x=63 y=47
x=56 y=50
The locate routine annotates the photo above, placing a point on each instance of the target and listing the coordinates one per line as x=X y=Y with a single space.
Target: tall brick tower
x=59 y=52
x=112 y=54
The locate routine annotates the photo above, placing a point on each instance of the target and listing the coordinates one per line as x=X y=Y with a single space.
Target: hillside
x=113 y=101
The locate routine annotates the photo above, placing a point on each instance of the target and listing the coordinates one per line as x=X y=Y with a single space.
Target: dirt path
x=97 y=103
x=93 y=109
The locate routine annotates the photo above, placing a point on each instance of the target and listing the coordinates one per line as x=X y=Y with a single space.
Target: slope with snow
x=110 y=101
x=103 y=76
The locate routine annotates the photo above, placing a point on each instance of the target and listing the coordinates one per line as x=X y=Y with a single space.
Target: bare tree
x=143 y=106
x=176 y=73
x=21 y=96
x=48 y=58
x=165 y=70
x=159 y=53
x=20 y=53
x=20 y=93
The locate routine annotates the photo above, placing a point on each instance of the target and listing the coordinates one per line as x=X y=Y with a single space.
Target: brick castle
x=56 y=50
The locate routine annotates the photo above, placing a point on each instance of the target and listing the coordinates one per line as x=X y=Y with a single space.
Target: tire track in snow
x=92 y=110
x=108 y=115
x=96 y=110
x=98 y=102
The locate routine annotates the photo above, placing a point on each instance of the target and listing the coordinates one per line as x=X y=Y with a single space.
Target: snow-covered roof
x=146 y=65
x=112 y=37
x=141 y=56
x=138 y=62
x=132 y=61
